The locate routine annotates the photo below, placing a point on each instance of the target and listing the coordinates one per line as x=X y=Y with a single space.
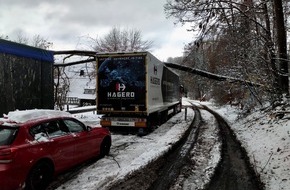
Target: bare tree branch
x=122 y=40
x=210 y=75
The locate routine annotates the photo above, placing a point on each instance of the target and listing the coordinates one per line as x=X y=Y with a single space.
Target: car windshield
x=7 y=135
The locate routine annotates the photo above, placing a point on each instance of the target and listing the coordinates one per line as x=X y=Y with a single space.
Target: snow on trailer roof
x=27 y=115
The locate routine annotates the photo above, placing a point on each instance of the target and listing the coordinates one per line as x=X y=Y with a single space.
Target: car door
x=86 y=142
x=61 y=145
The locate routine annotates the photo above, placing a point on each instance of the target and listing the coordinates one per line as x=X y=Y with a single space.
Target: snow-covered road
x=128 y=154
x=265 y=138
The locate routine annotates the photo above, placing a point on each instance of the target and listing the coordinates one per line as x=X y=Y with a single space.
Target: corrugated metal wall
x=26 y=79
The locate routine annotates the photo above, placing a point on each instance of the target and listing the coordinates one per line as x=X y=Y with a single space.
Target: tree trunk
x=282 y=46
x=270 y=52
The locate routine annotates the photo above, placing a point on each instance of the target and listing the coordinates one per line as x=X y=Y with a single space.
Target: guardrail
x=82 y=110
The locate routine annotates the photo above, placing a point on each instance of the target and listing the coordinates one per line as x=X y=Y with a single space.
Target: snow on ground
x=129 y=153
x=266 y=139
x=205 y=156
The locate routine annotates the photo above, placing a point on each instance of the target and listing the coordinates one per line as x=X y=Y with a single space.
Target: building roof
x=22 y=50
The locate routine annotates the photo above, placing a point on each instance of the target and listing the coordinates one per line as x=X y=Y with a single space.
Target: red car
x=36 y=145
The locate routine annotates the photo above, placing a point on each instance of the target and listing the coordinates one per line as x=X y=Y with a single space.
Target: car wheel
x=105 y=147
x=39 y=176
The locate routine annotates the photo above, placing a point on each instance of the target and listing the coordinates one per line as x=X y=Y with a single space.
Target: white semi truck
x=135 y=89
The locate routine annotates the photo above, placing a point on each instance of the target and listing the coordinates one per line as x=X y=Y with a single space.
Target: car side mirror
x=89 y=128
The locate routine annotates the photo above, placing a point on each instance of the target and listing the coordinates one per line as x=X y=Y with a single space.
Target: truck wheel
x=141 y=132
x=105 y=147
x=149 y=127
x=164 y=117
x=39 y=176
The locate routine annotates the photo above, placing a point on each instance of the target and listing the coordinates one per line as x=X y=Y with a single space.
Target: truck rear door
x=121 y=83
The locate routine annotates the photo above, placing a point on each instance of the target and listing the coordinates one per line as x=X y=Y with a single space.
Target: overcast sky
x=69 y=23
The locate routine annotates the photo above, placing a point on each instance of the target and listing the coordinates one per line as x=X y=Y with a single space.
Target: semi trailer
x=135 y=89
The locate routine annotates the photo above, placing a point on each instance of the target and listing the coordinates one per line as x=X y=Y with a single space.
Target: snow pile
x=26 y=115
x=40 y=137
x=265 y=137
x=130 y=153
x=89 y=118
x=204 y=156
x=267 y=141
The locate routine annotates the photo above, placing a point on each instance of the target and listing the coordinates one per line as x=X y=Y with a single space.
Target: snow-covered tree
x=237 y=38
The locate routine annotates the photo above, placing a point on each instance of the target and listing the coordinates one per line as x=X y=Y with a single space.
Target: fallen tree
x=199 y=72
x=211 y=75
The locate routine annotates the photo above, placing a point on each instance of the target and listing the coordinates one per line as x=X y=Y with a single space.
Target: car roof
x=24 y=116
